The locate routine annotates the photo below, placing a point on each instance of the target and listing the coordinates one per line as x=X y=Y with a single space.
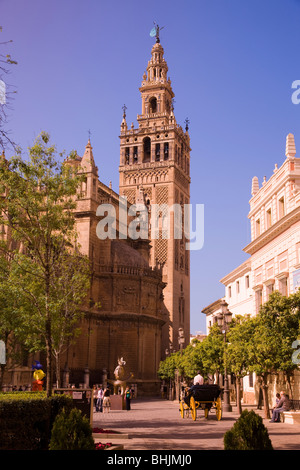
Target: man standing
x=283 y=405
x=99 y=399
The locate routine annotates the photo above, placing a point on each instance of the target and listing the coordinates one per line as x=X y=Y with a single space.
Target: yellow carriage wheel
x=219 y=409
x=181 y=409
x=193 y=408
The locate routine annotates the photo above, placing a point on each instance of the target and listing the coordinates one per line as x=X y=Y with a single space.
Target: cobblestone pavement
x=156 y=424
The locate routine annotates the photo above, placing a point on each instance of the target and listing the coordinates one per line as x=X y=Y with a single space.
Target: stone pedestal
x=117 y=402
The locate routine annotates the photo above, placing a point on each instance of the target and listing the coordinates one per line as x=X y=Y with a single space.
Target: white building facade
x=274 y=250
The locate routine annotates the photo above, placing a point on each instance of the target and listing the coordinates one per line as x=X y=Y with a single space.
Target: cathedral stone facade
x=124 y=317
x=139 y=297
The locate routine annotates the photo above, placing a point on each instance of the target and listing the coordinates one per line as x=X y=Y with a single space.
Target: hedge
x=26 y=419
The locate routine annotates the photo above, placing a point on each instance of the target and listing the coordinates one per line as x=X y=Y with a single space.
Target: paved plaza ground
x=156 y=424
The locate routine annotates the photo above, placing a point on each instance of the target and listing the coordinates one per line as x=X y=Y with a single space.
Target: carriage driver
x=198 y=379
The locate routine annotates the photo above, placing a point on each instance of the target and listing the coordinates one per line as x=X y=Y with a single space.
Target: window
x=135 y=154
x=153 y=104
x=181 y=309
x=298 y=253
x=237 y=287
x=251 y=379
x=281 y=207
x=268 y=218
x=270 y=289
x=157 y=152
x=283 y=286
x=127 y=155
x=229 y=291
x=257 y=227
x=147 y=149
x=247 y=282
x=166 y=151
x=258 y=299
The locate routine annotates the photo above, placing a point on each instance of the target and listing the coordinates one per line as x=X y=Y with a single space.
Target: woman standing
x=106 y=400
x=128 y=397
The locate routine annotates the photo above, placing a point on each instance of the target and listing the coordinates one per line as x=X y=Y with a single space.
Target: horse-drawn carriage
x=205 y=397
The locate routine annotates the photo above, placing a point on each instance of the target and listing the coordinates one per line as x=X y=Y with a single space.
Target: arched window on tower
x=147 y=149
x=127 y=153
x=157 y=152
x=153 y=105
x=166 y=151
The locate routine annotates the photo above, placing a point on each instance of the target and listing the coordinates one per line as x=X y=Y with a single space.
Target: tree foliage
x=262 y=344
x=49 y=276
x=6 y=91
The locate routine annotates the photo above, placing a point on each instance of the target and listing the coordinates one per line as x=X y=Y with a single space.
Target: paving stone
x=156 y=424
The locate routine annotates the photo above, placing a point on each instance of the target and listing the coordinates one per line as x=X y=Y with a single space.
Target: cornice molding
x=279 y=227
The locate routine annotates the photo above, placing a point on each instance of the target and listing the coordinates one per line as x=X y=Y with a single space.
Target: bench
x=295 y=405
x=292 y=416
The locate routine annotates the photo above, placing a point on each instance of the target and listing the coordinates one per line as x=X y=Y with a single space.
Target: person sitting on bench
x=283 y=405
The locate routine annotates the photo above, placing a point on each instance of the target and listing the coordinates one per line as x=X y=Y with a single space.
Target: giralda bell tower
x=155 y=168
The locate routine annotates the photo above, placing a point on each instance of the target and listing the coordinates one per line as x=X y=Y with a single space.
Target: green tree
x=8 y=319
x=38 y=208
x=70 y=283
x=239 y=336
x=281 y=316
x=213 y=348
x=262 y=356
x=6 y=92
x=192 y=360
x=168 y=366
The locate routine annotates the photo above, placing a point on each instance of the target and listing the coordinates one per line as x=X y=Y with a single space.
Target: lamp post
x=181 y=341
x=167 y=352
x=224 y=318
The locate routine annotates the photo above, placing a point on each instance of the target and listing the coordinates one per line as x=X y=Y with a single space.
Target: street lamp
x=181 y=341
x=224 y=318
x=167 y=352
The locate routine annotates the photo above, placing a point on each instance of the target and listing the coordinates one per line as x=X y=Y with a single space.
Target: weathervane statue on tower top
x=155 y=31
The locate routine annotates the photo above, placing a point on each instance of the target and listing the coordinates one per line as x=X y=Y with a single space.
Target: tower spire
x=290 y=148
x=124 y=123
x=87 y=161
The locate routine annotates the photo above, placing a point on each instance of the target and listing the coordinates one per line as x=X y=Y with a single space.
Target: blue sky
x=232 y=64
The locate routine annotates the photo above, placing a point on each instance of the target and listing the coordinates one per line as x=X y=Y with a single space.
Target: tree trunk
x=2 y=375
x=238 y=394
x=48 y=335
x=265 y=396
x=288 y=379
x=49 y=362
x=57 y=368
